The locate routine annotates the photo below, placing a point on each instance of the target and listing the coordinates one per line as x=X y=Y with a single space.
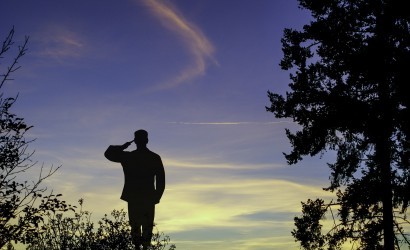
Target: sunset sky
x=195 y=75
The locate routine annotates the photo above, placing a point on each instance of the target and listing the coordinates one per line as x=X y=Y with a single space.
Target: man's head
x=141 y=137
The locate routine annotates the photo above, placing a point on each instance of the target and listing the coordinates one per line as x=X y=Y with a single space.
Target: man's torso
x=140 y=167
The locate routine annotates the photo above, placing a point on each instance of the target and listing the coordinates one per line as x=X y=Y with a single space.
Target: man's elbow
x=107 y=155
x=110 y=154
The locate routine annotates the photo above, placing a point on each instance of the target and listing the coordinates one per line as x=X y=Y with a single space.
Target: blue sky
x=195 y=75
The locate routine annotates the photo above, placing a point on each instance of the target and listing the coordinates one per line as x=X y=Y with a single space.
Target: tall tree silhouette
x=349 y=70
x=23 y=202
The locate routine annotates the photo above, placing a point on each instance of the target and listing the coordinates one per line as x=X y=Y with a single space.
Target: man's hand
x=126 y=145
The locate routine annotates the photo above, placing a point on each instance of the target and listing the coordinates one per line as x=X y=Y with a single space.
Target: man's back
x=144 y=177
x=141 y=169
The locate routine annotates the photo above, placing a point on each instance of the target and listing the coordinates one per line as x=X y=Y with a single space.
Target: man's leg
x=135 y=223
x=148 y=225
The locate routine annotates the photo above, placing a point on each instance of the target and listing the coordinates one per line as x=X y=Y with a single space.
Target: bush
x=79 y=233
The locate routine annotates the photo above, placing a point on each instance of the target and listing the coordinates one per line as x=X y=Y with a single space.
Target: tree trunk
x=387 y=199
x=383 y=158
x=383 y=145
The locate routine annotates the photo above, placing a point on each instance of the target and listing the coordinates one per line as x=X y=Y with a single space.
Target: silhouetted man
x=143 y=187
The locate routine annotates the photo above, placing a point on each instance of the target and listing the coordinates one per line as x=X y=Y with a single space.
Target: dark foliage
x=23 y=203
x=78 y=232
x=350 y=69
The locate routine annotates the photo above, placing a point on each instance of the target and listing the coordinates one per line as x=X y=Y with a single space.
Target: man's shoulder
x=154 y=154
x=146 y=152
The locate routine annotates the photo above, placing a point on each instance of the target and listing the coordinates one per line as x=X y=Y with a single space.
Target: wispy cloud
x=228 y=207
x=230 y=123
x=197 y=43
x=209 y=165
x=59 y=43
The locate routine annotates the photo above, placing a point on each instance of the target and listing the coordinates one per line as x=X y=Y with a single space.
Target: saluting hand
x=127 y=144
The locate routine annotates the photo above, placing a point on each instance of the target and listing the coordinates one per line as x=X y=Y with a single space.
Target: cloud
x=231 y=123
x=243 y=211
x=197 y=43
x=198 y=164
x=59 y=43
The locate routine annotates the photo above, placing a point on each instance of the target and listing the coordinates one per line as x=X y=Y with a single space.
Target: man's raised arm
x=114 y=152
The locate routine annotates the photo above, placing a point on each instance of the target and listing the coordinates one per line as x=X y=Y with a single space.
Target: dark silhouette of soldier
x=143 y=187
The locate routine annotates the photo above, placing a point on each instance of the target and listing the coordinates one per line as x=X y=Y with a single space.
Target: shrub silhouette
x=79 y=232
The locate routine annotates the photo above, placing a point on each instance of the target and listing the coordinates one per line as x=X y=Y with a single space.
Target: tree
x=349 y=74
x=23 y=203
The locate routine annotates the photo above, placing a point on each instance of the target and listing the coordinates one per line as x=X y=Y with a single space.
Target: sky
x=195 y=75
